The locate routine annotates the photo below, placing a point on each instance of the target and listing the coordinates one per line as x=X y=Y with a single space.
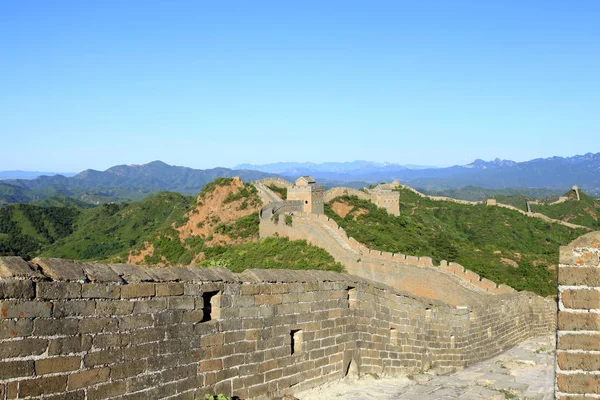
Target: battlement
x=84 y=330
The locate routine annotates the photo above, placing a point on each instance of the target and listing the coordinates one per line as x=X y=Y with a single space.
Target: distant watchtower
x=311 y=194
x=385 y=196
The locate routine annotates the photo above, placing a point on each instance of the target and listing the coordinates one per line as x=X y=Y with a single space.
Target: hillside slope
x=499 y=244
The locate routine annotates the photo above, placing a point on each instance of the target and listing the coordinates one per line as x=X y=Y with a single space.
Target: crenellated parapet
x=76 y=330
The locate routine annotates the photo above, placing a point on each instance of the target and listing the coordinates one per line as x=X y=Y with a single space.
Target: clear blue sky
x=92 y=84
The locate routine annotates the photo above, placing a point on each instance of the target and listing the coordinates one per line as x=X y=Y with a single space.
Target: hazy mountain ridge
x=552 y=172
x=120 y=182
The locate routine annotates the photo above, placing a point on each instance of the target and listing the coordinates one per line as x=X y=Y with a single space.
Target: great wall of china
x=76 y=330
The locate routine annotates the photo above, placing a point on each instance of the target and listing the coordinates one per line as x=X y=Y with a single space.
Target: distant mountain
x=121 y=182
x=332 y=170
x=30 y=174
x=553 y=173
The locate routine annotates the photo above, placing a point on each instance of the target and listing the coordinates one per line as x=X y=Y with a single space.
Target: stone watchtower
x=311 y=194
x=385 y=196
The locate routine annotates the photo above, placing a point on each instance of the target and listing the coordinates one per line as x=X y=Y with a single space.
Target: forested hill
x=119 y=183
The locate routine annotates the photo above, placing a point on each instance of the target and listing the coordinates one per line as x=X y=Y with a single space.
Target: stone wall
x=345 y=191
x=578 y=346
x=450 y=282
x=71 y=330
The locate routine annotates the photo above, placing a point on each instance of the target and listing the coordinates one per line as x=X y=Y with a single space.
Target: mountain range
x=134 y=182
x=553 y=173
x=119 y=183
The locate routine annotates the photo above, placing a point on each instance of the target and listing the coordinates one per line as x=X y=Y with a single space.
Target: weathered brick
x=16 y=289
x=98 y=325
x=129 y=369
x=581 y=298
x=136 y=290
x=210 y=365
x=68 y=345
x=215 y=339
x=87 y=378
x=16 y=369
x=100 y=273
x=578 y=361
x=107 y=356
x=150 y=306
x=584 y=276
x=169 y=289
x=107 y=340
x=60 y=269
x=58 y=290
x=10 y=328
x=147 y=335
x=72 y=308
x=100 y=291
x=51 y=326
x=571 y=321
x=16 y=267
x=37 y=387
x=23 y=348
x=114 y=307
x=24 y=309
x=181 y=303
x=579 y=342
x=57 y=364
x=107 y=390
x=127 y=323
x=578 y=383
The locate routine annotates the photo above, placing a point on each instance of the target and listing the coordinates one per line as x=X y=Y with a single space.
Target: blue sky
x=202 y=84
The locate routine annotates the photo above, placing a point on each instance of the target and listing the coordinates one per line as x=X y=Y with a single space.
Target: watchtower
x=311 y=194
x=385 y=196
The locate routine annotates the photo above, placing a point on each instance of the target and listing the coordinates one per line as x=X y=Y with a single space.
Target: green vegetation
x=211 y=186
x=288 y=220
x=248 y=193
x=516 y=197
x=272 y=253
x=585 y=212
x=111 y=230
x=484 y=239
x=282 y=192
x=244 y=227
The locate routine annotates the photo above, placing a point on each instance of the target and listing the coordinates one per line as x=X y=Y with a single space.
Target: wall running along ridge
x=450 y=282
x=578 y=346
x=72 y=330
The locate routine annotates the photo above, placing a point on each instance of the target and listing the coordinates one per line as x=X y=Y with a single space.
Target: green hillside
x=585 y=212
x=490 y=241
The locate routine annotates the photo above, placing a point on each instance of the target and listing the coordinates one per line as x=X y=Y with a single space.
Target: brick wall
x=578 y=347
x=71 y=330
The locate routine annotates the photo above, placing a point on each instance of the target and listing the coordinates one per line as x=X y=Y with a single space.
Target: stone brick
x=578 y=383
x=98 y=325
x=215 y=339
x=57 y=364
x=107 y=356
x=100 y=273
x=107 y=340
x=108 y=390
x=37 y=387
x=114 y=307
x=571 y=321
x=87 y=378
x=23 y=348
x=149 y=306
x=137 y=290
x=100 y=291
x=10 y=328
x=16 y=267
x=68 y=345
x=579 y=342
x=210 y=365
x=129 y=369
x=60 y=269
x=581 y=298
x=169 y=289
x=580 y=361
x=14 y=289
x=52 y=327
x=131 y=273
x=72 y=308
x=58 y=290
x=181 y=303
x=15 y=369
x=24 y=309
x=132 y=322
x=579 y=276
